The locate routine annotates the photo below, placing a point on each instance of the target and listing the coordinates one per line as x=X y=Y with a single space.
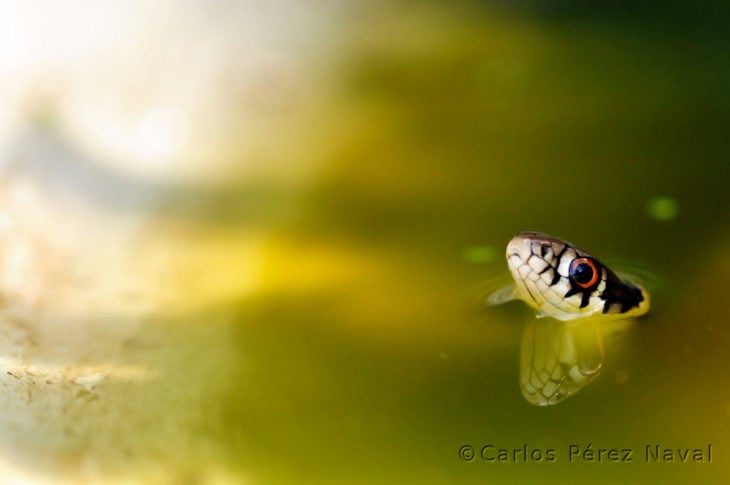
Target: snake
x=561 y=355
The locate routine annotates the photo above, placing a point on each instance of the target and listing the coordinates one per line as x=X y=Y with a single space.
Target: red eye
x=584 y=272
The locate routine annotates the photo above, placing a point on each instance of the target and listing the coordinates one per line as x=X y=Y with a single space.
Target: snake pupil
x=583 y=273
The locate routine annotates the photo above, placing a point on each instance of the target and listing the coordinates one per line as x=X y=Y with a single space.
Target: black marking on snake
x=617 y=292
x=562 y=251
x=544 y=249
x=585 y=300
x=556 y=276
x=559 y=257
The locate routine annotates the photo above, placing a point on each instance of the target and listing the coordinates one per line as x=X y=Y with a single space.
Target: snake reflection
x=563 y=353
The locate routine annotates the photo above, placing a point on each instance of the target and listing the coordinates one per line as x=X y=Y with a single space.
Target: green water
x=452 y=130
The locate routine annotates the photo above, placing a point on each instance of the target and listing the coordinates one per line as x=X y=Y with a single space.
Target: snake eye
x=583 y=272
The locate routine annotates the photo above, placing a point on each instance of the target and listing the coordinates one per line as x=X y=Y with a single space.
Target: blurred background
x=250 y=241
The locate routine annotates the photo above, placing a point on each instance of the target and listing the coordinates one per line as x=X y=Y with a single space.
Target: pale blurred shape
x=162 y=132
x=11 y=476
x=22 y=195
x=152 y=139
x=159 y=91
x=99 y=100
x=5 y=222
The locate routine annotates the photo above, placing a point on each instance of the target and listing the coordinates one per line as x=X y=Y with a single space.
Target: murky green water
x=450 y=132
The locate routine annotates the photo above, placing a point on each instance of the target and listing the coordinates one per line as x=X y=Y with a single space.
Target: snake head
x=565 y=282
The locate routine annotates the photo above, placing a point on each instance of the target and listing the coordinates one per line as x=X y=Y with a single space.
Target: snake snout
x=521 y=245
